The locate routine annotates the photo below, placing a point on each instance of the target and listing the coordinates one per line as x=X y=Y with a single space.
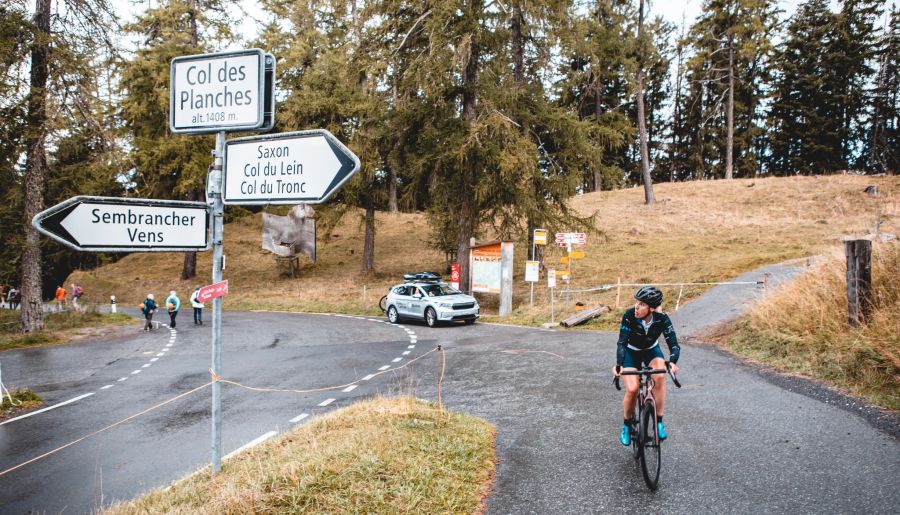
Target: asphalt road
x=741 y=439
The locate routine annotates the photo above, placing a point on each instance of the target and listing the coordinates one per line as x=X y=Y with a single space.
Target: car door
x=417 y=302
x=401 y=299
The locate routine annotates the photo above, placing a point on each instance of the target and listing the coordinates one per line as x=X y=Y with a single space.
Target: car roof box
x=422 y=276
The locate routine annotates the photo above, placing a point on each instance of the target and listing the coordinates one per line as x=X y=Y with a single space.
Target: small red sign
x=208 y=293
x=454 y=275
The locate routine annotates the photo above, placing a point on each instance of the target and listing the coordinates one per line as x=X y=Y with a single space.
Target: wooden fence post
x=859 y=280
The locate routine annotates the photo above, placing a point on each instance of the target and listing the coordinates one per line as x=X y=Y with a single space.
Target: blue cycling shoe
x=661 y=431
x=625 y=437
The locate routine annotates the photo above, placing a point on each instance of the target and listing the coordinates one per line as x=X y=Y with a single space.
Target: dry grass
x=58 y=327
x=24 y=400
x=802 y=328
x=379 y=456
x=697 y=231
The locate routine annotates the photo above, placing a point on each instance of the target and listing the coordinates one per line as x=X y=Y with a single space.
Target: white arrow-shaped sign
x=110 y=224
x=289 y=168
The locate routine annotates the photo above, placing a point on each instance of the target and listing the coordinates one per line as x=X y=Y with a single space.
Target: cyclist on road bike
x=638 y=344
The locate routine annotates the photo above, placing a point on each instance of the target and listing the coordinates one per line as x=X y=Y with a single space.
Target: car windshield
x=438 y=290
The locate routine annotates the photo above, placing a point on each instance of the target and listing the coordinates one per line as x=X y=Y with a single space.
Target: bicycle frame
x=642 y=436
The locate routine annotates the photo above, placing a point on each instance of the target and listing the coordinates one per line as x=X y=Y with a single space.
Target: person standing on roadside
x=2 y=296
x=14 y=296
x=77 y=292
x=198 y=307
x=60 y=297
x=173 y=303
x=149 y=307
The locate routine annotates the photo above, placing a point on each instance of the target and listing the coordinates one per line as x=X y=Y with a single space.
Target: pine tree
x=167 y=164
x=806 y=124
x=850 y=59
x=883 y=143
x=595 y=85
x=61 y=49
x=726 y=85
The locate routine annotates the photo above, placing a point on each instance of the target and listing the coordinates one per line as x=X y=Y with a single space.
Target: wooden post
x=859 y=280
x=678 y=302
x=618 y=292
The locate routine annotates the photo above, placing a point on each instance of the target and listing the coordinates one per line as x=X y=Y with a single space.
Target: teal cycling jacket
x=632 y=333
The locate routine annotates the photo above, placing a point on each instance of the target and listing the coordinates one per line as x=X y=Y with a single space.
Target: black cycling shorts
x=635 y=358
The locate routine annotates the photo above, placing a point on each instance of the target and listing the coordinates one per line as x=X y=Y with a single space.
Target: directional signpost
x=232 y=92
x=111 y=224
x=288 y=168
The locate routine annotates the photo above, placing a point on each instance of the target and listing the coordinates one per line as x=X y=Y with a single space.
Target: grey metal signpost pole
x=218 y=216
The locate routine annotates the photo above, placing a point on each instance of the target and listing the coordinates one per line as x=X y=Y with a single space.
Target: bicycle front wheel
x=651 y=460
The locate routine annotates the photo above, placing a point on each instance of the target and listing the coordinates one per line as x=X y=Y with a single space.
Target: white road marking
x=145 y=365
x=413 y=340
x=153 y=359
x=326 y=402
x=48 y=408
x=251 y=443
x=121 y=379
x=168 y=345
x=136 y=372
x=370 y=376
x=384 y=367
x=405 y=352
x=411 y=347
x=396 y=360
x=299 y=417
x=349 y=388
x=107 y=387
x=163 y=353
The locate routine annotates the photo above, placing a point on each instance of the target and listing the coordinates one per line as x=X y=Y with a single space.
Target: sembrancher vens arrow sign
x=112 y=224
x=288 y=168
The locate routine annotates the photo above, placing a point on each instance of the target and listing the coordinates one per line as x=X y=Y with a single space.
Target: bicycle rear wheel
x=651 y=460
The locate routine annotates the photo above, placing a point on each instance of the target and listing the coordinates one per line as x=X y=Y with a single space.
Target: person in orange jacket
x=60 y=297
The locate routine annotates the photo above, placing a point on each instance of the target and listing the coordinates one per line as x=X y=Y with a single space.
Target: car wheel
x=430 y=317
x=392 y=315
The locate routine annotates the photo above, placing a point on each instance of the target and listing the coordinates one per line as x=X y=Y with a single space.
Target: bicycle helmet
x=649 y=295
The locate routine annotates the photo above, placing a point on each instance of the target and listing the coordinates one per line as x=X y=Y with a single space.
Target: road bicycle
x=645 y=442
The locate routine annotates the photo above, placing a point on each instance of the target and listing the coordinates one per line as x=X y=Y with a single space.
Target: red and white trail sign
x=571 y=238
x=208 y=293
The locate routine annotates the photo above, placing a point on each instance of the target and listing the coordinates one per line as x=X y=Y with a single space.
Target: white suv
x=425 y=297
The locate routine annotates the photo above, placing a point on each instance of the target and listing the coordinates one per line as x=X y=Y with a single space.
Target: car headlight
x=445 y=305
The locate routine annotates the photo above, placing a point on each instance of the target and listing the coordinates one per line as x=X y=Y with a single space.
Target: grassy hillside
x=802 y=328
x=697 y=231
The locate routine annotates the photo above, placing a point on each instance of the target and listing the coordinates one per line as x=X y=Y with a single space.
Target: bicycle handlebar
x=647 y=372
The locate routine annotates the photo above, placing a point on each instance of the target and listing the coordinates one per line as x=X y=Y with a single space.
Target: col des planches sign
x=112 y=224
x=288 y=168
x=225 y=91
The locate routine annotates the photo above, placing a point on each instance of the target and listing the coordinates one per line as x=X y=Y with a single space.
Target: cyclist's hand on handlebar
x=673 y=367
x=617 y=370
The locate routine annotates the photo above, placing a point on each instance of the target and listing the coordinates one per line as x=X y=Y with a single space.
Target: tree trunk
x=729 y=115
x=189 y=269
x=676 y=118
x=368 y=261
x=598 y=112
x=518 y=48
x=467 y=208
x=392 y=188
x=642 y=122
x=32 y=316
